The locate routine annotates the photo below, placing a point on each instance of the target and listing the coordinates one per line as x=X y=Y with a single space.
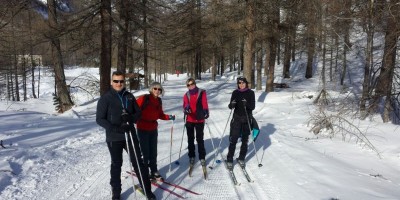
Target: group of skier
x=118 y=110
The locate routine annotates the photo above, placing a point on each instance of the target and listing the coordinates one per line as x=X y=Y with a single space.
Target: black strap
x=146 y=101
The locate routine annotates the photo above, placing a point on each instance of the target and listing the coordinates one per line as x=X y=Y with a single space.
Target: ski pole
x=170 y=149
x=137 y=162
x=183 y=134
x=130 y=163
x=248 y=122
x=209 y=132
x=219 y=145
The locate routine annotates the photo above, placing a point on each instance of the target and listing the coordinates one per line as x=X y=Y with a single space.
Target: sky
x=64 y=156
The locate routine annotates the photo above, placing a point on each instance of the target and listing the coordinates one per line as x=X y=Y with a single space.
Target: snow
x=64 y=156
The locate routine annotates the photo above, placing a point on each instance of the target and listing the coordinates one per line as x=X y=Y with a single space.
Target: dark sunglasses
x=240 y=82
x=189 y=84
x=240 y=78
x=159 y=89
x=118 y=81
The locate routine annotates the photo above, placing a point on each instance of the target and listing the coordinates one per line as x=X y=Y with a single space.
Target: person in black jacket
x=243 y=101
x=117 y=111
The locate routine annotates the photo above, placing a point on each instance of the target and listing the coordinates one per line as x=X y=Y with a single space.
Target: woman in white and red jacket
x=195 y=107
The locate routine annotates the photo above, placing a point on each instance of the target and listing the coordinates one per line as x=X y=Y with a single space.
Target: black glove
x=124 y=116
x=244 y=102
x=125 y=128
x=206 y=114
x=187 y=110
x=171 y=117
x=232 y=104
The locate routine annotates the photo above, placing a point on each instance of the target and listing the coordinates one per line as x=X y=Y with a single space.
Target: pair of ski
x=233 y=176
x=157 y=184
x=204 y=168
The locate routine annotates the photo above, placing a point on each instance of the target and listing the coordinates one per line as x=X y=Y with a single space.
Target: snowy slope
x=50 y=156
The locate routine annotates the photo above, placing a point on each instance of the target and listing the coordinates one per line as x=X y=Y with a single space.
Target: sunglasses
x=159 y=89
x=241 y=82
x=118 y=81
x=190 y=84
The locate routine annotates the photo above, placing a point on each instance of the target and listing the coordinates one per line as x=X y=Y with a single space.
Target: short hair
x=191 y=79
x=118 y=73
x=156 y=84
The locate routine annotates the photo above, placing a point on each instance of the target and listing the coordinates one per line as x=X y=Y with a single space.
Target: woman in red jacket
x=147 y=126
x=196 y=110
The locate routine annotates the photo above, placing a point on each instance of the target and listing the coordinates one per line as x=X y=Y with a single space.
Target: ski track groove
x=89 y=178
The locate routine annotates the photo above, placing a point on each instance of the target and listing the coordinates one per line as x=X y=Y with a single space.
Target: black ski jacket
x=240 y=113
x=109 y=110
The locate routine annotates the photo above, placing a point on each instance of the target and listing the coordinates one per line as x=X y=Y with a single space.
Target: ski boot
x=157 y=176
x=116 y=193
x=242 y=164
x=203 y=162
x=151 y=196
x=229 y=165
x=191 y=164
x=191 y=161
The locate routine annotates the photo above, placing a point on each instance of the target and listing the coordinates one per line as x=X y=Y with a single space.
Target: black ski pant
x=190 y=129
x=148 y=144
x=238 y=129
x=116 y=149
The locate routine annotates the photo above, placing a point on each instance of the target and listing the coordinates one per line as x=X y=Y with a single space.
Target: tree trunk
x=241 y=54
x=15 y=64
x=222 y=58
x=147 y=75
x=105 y=61
x=24 y=77
x=346 y=36
x=331 y=62
x=259 y=67
x=267 y=57
x=310 y=55
x=271 y=65
x=123 y=36
x=312 y=24
x=214 y=66
x=272 y=42
x=368 y=62
x=286 y=57
x=33 y=63
x=293 y=39
x=383 y=87
x=58 y=63
x=249 y=42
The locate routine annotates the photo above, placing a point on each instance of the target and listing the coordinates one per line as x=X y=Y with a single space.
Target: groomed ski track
x=83 y=163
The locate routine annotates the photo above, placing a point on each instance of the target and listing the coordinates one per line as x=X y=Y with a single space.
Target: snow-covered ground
x=52 y=156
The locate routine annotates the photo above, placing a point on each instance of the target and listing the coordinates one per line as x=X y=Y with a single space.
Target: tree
x=63 y=94
x=105 y=59
x=383 y=87
x=272 y=43
x=311 y=34
x=369 y=27
x=249 y=42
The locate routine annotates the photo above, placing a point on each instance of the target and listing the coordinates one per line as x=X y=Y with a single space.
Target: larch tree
x=106 y=40
x=63 y=94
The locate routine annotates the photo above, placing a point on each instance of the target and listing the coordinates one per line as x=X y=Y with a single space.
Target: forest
x=153 y=38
